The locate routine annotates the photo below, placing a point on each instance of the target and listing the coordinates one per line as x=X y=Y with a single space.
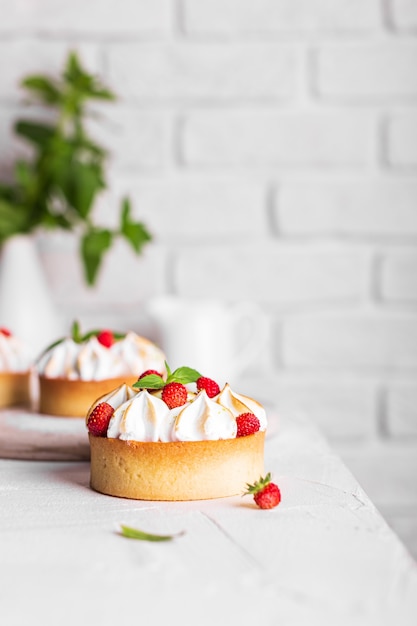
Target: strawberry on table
x=99 y=418
x=265 y=493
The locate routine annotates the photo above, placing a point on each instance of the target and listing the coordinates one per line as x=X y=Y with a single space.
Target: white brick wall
x=401 y=402
x=398 y=276
x=367 y=71
x=57 y=17
x=194 y=71
x=271 y=147
x=287 y=139
x=370 y=208
x=404 y=14
x=351 y=341
x=280 y=16
x=301 y=275
x=401 y=139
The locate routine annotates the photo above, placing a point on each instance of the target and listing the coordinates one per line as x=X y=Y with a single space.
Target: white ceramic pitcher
x=26 y=304
x=217 y=339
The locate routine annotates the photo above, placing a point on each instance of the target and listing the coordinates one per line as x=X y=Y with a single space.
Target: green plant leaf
x=184 y=375
x=14 y=219
x=84 y=83
x=58 y=185
x=74 y=73
x=7 y=192
x=94 y=333
x=100 y=93
x=94 y=244
x=43 y=88
x=85 y=182
x=152 y=381
x=135 y=533
x=76 y=332
x=134 y=232
x=37 y=133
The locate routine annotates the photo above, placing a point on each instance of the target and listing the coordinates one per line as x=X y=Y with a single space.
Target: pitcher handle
x=251 y=312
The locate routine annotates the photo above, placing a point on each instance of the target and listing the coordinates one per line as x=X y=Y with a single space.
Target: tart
x=77 y=369
x=143 y=448
x=15 y=371
x=64 y=397
x=177 y=470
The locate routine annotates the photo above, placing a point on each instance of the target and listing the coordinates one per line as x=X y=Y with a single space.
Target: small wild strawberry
x=5 y=331
x=106 y=338
x=174 y=394
x=247 y=424
x=265 y=493
x=211 y=387
x=99 y=418
x=148 y=373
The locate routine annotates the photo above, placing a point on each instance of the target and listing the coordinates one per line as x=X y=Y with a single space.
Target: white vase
x=27 y=308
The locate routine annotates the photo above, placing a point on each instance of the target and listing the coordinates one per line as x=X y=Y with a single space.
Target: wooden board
x=33 y=436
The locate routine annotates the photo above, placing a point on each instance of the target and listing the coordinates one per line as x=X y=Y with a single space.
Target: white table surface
x=324 y=556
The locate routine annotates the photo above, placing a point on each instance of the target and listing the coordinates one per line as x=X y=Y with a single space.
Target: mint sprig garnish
x=183 y=375
x=135 y=533
x=152 y=381
x=76 y=332
x=78 y=337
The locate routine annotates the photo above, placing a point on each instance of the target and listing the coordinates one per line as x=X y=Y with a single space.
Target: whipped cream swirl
x=90 y=360
x=14 y=357
x=238 y=404
x=144 y=416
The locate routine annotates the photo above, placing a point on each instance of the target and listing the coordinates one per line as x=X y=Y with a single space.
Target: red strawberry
x=5 y=331
x=174 y=394
x=265 y=493
x=106 y=338
x=211 y=387
x=99 y=418
x=247 y=424
x=148 y=373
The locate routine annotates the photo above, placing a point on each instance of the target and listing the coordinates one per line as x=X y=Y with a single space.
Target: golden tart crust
x=73 y=398
x=15 y=389
x=178 y=470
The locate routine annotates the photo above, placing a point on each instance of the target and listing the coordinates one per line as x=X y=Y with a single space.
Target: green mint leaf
x=83 y=183
x=91 y=333
x=134 y=232
x=134 y=533
x=76 y=332
x=152 y=381
x=13 y=218
x=183 y=375
x=39 y=134
x=43 y=88
x=96 y=332
x=94 y=245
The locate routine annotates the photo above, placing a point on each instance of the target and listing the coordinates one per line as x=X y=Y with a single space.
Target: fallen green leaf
x=135 y=533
